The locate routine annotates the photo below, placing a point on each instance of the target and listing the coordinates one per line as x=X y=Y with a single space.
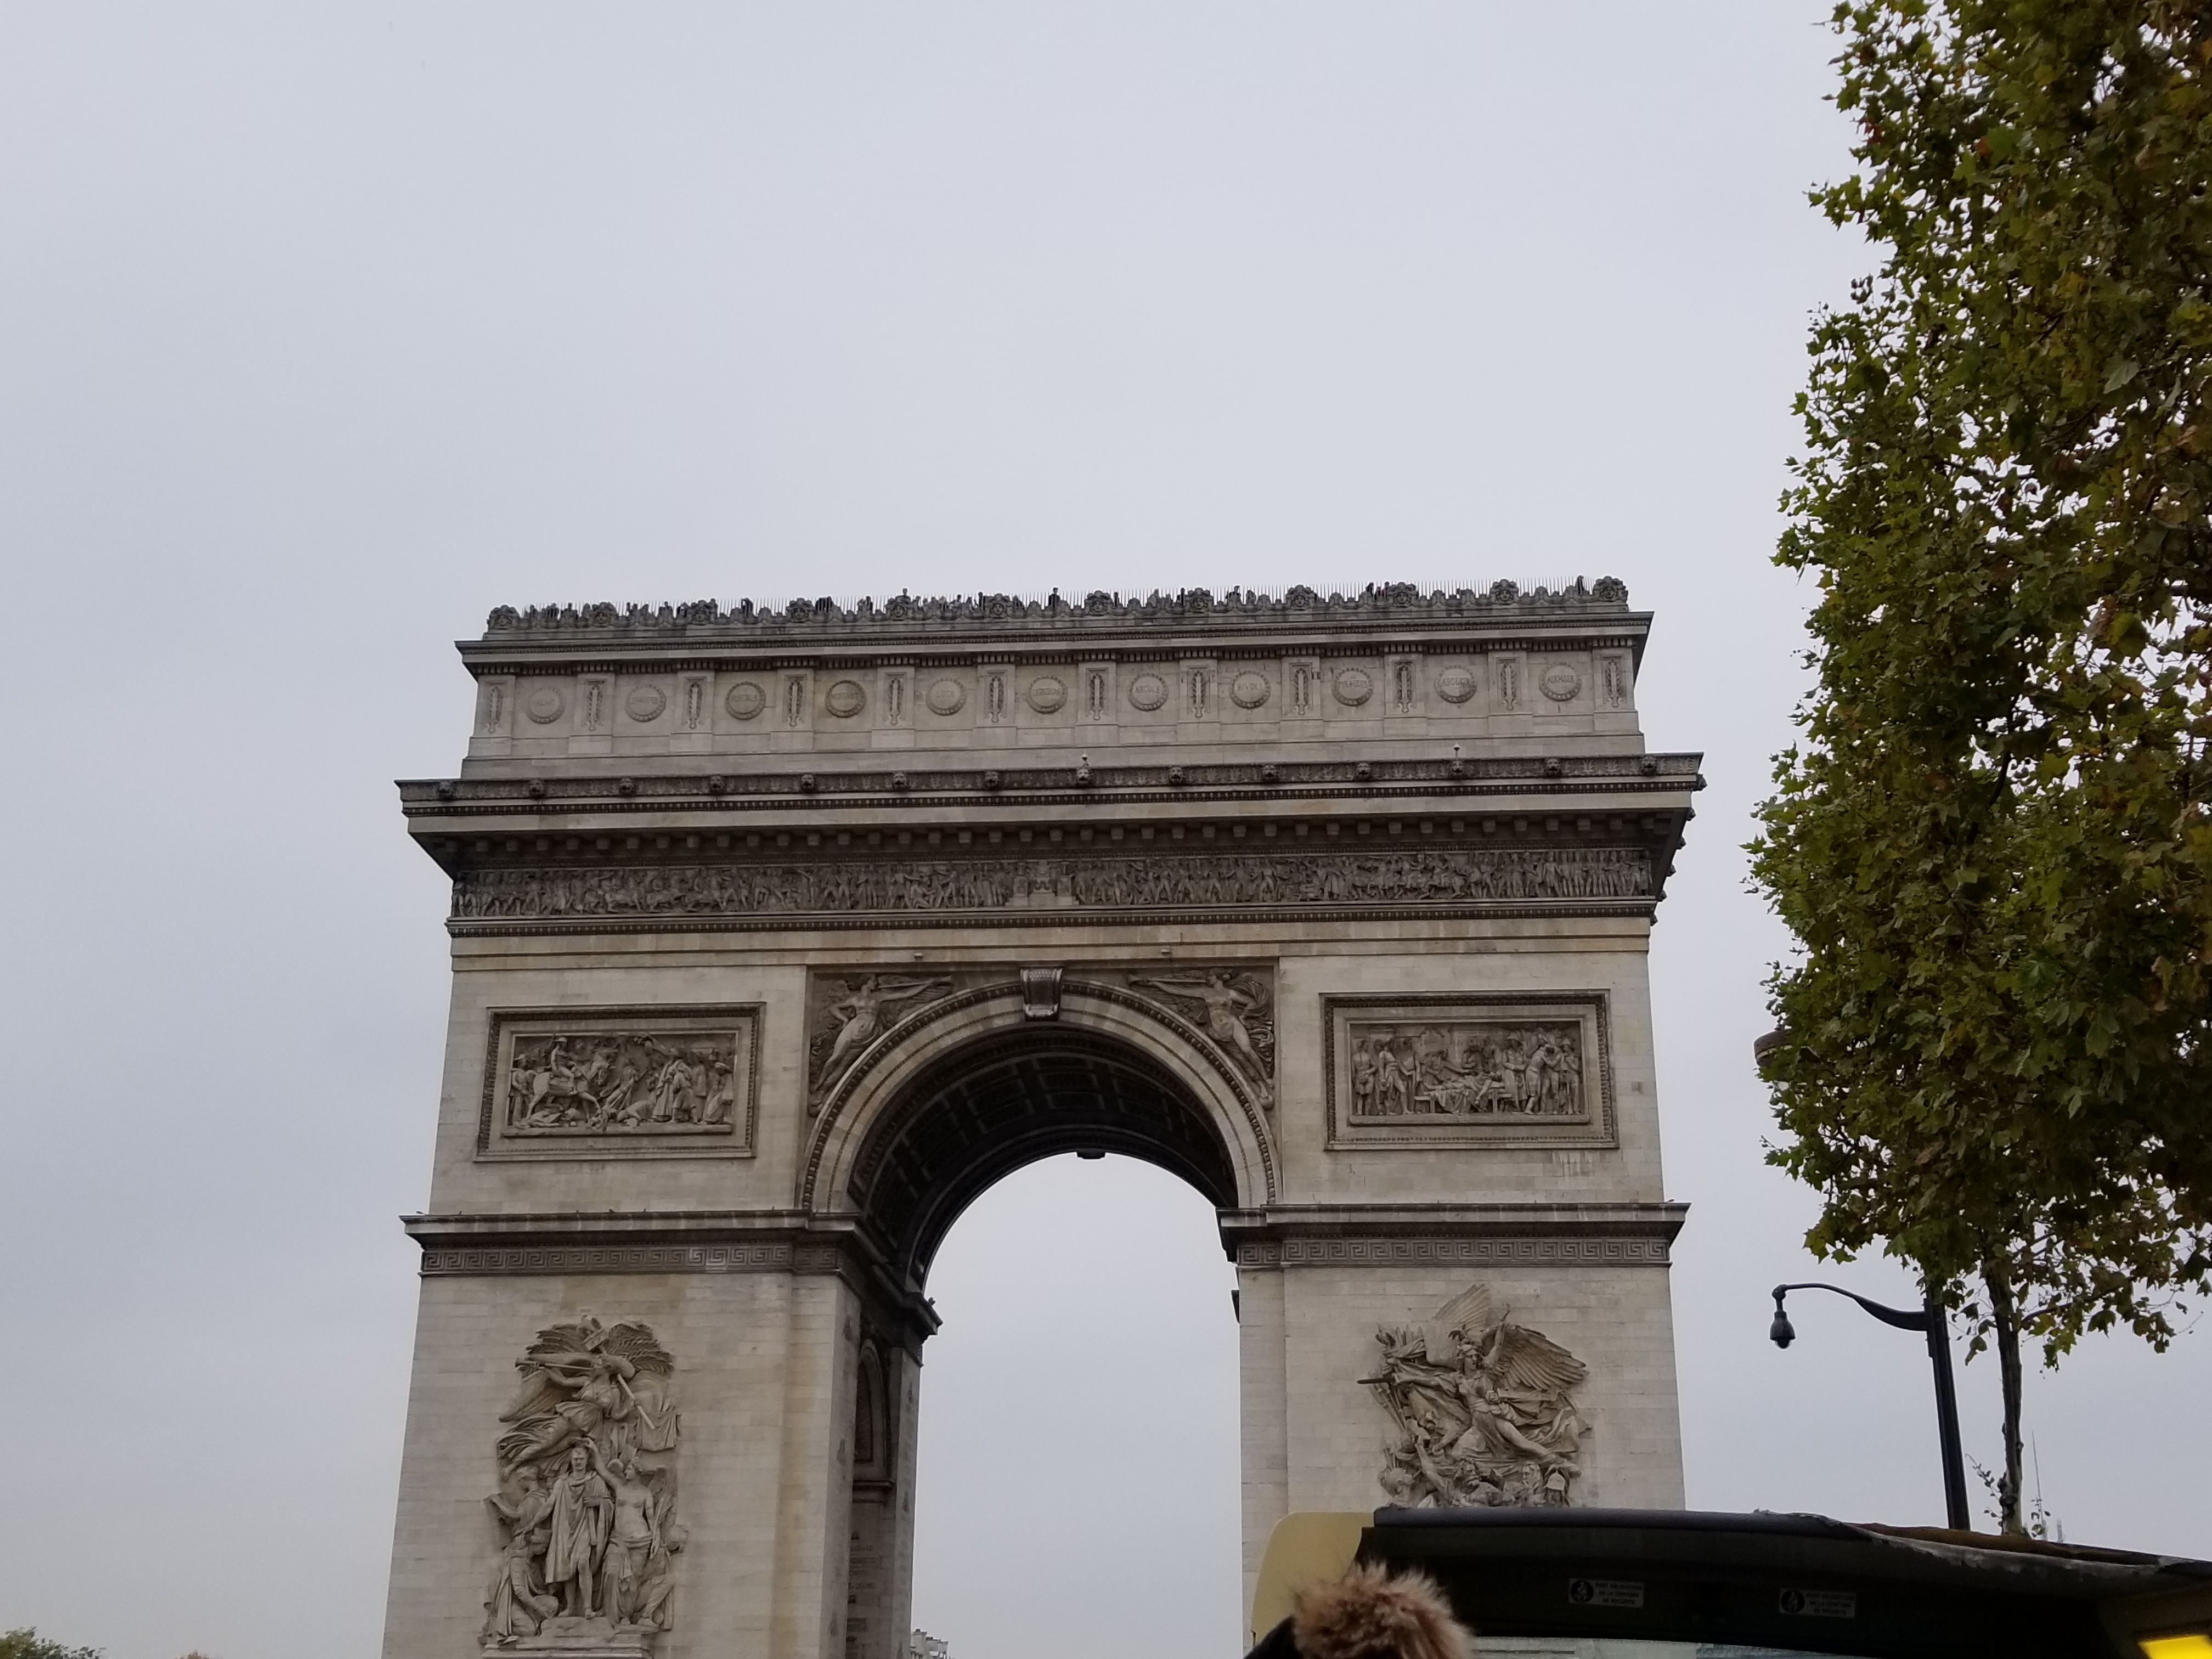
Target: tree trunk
x=2004 y=1321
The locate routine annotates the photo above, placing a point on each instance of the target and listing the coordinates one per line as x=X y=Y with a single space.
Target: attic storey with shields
x=780 y=934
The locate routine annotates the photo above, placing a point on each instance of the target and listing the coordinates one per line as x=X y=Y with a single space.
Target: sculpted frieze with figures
x=591 y=1083
x=584 y=1511
x=1519 y=1068
x=954 y=886
x=1230 y=1007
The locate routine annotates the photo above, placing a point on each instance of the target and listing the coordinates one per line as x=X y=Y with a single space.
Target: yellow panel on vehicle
x=1313 y=1547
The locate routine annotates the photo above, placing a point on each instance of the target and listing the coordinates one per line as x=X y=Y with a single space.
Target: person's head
x=527 y=1477
x=1370 y=1614
x=579 y=1458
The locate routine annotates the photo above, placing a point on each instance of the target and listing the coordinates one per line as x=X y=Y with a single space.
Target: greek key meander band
x=441 y=1261
x=632 y=1259
x=1456 y=1252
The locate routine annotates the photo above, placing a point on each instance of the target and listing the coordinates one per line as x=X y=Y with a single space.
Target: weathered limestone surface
x=776 y=938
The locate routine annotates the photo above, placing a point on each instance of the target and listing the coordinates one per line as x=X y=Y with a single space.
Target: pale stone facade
x=776 y=938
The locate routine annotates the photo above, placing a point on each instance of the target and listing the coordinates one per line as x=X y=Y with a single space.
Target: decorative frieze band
x=442 y=1261
x=1456 y=1252
x=632 y=1259
x=965 y=885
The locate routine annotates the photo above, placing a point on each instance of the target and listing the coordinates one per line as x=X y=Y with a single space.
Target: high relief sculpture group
x=1482 y=1410
x=587 y=1489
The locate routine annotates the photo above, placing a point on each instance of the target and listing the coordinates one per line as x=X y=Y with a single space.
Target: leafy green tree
x=28 y=1644
x=1991 y=840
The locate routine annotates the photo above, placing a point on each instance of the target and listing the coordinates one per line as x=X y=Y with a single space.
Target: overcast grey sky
x=325 y=328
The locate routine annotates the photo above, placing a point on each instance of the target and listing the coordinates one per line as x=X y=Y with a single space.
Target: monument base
x=576 y=1638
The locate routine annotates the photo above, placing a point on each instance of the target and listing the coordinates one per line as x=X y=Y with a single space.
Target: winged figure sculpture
x=1482 y=1409
x=602 y=1383
x=585 y=1524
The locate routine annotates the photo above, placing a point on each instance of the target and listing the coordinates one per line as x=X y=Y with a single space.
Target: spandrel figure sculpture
x=1234 y=1004
x=861 y=1014
x=1481 y=1408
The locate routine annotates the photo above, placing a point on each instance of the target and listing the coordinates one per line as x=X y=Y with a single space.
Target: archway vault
x=967 y=1090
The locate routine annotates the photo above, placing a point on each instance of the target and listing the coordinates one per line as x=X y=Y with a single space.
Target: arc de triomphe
x=778 y=936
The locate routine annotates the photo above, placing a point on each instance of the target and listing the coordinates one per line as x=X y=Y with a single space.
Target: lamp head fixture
x=1781 y=1332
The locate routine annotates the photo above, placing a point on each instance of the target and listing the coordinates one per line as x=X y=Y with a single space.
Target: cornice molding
x=565 y=1243
x=736 y=791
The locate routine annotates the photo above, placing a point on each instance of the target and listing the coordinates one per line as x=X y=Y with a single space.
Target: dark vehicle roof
x=1802 y=1582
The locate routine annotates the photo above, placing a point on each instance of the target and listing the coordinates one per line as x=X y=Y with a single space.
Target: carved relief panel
x=585 y=1512
x=620 y=1083
x=1481 y=1409
x=1524 y=1069
x=1228 y=1008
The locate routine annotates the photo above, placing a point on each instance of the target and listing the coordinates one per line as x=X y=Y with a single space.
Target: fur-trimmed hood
x=1369 y=1614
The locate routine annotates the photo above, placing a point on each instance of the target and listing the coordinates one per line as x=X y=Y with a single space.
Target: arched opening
x=1077 y=1479
x=979 y=1112
x=1086 y=1378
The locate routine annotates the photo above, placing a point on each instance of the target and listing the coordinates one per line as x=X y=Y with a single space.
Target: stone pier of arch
x=779 y=936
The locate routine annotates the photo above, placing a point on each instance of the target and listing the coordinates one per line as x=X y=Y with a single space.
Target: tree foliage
x=1991 y=840
x=28 y=1644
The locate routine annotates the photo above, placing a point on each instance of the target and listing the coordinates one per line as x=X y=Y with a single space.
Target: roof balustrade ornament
x=1392 y=601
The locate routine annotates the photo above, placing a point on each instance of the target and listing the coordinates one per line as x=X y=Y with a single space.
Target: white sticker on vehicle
x=1820 y=1604
x=1604 y=1592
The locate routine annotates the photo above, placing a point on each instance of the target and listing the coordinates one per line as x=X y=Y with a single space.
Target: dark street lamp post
x=1931 y=1321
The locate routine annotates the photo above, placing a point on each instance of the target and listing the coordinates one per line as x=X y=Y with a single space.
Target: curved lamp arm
x=1784 y=1333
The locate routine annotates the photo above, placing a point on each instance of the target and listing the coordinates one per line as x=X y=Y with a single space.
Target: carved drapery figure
x=587 y=1536
x=1239 y=1018
x=519 y=1602
x=1481 y=1410
x=853 y=1013
x=577 y=1532
x=1467 y=1068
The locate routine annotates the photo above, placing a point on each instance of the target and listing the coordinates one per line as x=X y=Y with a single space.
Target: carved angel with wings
x=1483 y=1409
x=1237 y=1017
x=866 y=1008
x=602 y=1383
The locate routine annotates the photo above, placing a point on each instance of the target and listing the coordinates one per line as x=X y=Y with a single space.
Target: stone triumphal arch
x=778 y=936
